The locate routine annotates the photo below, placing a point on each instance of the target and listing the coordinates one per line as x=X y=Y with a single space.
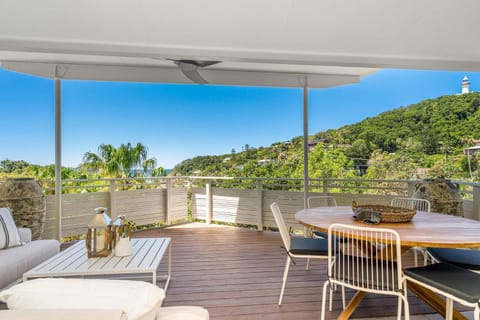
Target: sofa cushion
x=9 y=236
x=182 y=313
x=140 y=300
x=14 y=262
x=54 y=314
x=25 y=234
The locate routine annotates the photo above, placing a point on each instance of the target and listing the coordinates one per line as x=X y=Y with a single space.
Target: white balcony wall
x=170 y=200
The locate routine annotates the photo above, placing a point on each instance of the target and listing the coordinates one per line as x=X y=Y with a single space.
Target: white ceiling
x=260 y=42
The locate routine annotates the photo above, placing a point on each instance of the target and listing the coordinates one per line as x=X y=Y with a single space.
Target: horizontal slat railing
x=243 y=201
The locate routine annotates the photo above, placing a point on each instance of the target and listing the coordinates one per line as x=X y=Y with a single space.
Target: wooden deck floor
x=236 y=274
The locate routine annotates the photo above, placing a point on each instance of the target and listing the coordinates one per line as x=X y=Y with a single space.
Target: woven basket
x=389 y=214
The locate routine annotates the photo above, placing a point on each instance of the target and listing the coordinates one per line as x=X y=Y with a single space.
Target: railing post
x=168 y=216
x=410 y=188
x=260 y=205
x=325 y=186
x=476 y=201
x=209 y=196
x=113 y=208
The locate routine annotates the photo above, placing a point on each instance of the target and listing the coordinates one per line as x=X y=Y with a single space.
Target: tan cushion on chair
x=47 y=314
x=182 y=313
x=140 y=300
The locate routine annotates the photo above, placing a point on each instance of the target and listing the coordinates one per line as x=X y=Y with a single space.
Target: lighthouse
x=465 y=85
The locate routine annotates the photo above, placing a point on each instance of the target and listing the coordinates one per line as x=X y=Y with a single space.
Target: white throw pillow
x=182 y=313
x=9 y=236
x=139 y=300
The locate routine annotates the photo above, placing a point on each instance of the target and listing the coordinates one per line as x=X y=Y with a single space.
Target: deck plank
x=236 y=274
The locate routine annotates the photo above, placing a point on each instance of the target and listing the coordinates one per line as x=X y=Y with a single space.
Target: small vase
x=123 y=247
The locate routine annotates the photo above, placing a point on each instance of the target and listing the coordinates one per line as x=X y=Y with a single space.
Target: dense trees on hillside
x=435 y=123
x=395 y=144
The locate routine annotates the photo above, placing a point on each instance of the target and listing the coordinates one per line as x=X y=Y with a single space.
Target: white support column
x=305 y=142
x=58 y=156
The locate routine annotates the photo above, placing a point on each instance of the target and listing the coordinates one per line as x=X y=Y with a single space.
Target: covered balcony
x=234 y=272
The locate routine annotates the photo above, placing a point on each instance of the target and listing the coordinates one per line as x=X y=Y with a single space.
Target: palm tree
x=124 y=161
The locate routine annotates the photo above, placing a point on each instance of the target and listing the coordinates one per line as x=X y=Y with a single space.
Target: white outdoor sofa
x=15 y=261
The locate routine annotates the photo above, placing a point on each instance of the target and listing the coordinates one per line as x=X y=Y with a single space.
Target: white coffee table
x=146 y=256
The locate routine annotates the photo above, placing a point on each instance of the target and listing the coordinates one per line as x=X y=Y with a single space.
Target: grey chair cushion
x=309 y=246
x=320 y=234
x=469 y=259
x=459 y=282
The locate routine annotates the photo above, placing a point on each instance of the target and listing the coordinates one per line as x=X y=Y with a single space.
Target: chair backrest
x=321 y=201
x=410 y=203
x=366 y=258
x=282 y=227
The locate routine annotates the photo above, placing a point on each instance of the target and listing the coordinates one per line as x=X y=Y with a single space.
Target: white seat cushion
x=182 y=313
x=48 y=314
x=139 y=300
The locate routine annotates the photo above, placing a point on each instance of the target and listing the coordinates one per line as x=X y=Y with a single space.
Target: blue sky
x=178 y=122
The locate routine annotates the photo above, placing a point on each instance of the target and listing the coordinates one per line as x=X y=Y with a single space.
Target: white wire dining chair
x=419 y=205
x=319 y=201
x=297 y=247
x=456 y=284
x=367 y=259
x=411 y=203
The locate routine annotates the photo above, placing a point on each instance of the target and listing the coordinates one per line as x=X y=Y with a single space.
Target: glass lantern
x=100 y=236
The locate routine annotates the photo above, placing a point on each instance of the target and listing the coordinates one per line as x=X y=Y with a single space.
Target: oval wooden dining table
x=427 y=229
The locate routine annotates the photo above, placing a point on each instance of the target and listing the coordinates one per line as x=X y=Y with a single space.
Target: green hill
x=435 y=123
x=430 y=134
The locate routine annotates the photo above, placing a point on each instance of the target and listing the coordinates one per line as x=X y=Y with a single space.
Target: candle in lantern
x=100 y=243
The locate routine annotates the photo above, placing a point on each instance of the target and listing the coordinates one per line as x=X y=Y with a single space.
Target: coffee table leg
x=169 y=267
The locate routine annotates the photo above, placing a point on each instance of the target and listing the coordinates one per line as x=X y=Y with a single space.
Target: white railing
x=233 y=200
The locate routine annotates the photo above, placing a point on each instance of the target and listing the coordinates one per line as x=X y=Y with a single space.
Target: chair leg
x=449 y=309
x=344 y=303
x=330 y=302
x=399 y=308
x=425 y=257
x=476 y=313
x=406 y=306
x=324 y=297
x=285 y=274
x=308 y=264
x=415 y=257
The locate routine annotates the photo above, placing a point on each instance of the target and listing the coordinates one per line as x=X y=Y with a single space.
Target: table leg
x=169 y=266
x=433 y=300
x=352 y=305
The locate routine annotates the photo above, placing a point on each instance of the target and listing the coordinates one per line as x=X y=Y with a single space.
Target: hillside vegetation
x=422 y=140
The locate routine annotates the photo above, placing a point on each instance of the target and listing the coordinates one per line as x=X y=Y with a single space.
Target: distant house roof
x=263 y=162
